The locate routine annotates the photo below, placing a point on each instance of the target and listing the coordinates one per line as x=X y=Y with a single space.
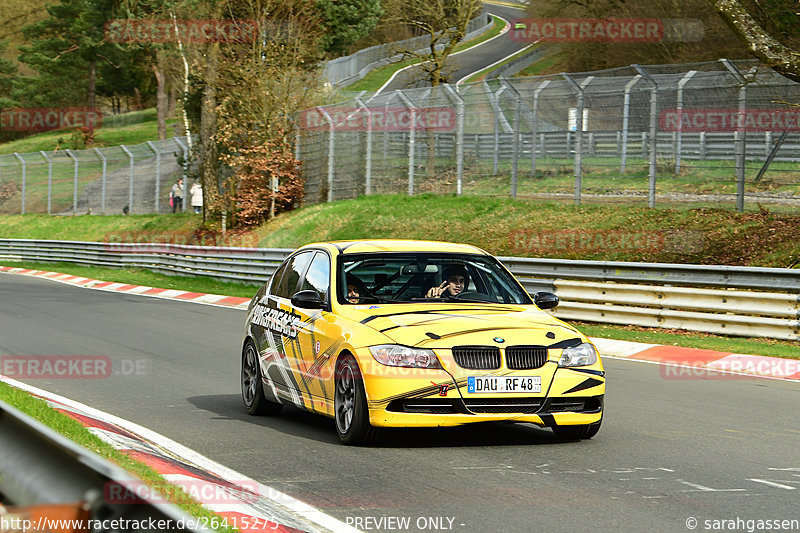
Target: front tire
x=253 y=385
x=350 y=405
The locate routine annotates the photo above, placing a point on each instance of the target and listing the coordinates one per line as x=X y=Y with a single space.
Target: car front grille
x=525 y=357
x=477 y=357
x=504 y=405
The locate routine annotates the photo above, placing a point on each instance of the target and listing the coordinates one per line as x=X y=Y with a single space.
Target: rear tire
x=253 y=386
x=350 y=405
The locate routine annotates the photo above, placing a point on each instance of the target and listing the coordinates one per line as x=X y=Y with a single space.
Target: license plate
x=499 y=384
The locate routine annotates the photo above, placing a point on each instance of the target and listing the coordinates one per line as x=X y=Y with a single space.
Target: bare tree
x=767 y=47
x=444 y=21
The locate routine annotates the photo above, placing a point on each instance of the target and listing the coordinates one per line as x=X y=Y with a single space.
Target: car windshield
x=410 y=277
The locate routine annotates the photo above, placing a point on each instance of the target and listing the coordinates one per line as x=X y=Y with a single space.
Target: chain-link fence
x=719 y=133
x=113 y=180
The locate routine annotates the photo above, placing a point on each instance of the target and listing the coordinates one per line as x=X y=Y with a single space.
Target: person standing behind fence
x=176 y=194
x=197 y=196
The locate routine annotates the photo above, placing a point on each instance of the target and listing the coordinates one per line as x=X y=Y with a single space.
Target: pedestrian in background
x=176 y=196
x=197 y=196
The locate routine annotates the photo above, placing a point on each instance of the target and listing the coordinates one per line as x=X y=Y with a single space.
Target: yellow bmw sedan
x=392 y=333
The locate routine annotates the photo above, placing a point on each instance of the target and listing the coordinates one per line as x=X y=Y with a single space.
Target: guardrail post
x=158 y=173
x=676 y=148
x=130 y=180
x=579 y=93
x=651 y=189
x=49 y=180
x=534 y=120
x=75 y=183
x=103 y=180
x=459 y=137
x=24 y=178
x=626 y=113
x=740 y=132
x=411 y=139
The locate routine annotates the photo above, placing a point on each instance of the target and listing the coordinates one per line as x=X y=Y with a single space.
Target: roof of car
x=388 y=245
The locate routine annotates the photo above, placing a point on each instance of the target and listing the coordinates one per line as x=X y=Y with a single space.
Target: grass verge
x=73 y=430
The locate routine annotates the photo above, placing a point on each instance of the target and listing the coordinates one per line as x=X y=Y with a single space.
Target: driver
x=455 y=281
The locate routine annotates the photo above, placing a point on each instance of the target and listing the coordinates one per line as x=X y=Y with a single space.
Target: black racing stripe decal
x=587 y=384
x=446 y=312
x=548 y=420
x=588 y=371
x=567 y=343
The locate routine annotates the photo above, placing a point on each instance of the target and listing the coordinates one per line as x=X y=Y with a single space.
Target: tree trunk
x=208 y=126
x=92 y=89
x=161 y=96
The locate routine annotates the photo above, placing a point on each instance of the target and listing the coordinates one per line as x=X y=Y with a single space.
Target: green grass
x=128 y=128
x=72 y=429
x=378 y=77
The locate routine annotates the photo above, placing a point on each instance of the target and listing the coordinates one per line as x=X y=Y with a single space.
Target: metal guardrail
x=746 y=301
x=42 y=467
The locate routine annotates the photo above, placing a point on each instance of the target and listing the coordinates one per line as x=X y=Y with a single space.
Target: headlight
x=395 y=355
x=581 y=355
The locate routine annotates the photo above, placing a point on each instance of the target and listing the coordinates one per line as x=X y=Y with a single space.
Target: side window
x=319 y=276
x=276 y=279
x=294 y=270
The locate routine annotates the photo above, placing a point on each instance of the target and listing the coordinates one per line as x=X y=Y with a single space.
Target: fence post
x=411 y=139
x=24 y=176
x=368 y=158
x=515 y=146
x=651 y=189
x=626 y=113
x=49 y=180
x=459 y=137
x=158 y=174
x=494 y=100
x=676 y=149
x=534 y=120
x=105 y=167
x=75 y=181
x=130 y=181
x=185 y=149
x=740 y=132
x=579 y=93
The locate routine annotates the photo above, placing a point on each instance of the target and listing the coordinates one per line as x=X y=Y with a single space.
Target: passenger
x=455 y=281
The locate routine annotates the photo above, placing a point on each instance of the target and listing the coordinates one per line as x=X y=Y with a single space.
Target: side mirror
x=307 y=300
x=545 y=300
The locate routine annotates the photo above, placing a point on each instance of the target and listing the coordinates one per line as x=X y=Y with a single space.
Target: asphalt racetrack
x=675 y=454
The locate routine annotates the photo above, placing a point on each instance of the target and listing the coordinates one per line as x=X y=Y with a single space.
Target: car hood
x=453 y=324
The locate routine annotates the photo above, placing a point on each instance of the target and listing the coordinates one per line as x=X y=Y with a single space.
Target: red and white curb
x=697 y=363
x=240 y=501
x=171 y=294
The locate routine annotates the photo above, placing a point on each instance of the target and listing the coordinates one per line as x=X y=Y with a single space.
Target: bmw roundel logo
x=499 y=340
